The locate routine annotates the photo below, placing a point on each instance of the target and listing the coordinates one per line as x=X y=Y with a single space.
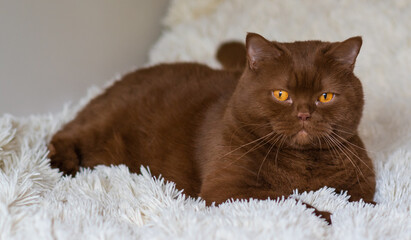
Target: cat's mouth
x=302 y=137
x=308 y=136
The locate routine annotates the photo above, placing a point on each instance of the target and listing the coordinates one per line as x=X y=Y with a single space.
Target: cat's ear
x=346 y=52
x=259 y=50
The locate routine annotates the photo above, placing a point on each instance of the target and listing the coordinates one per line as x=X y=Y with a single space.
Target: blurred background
x=52 y=51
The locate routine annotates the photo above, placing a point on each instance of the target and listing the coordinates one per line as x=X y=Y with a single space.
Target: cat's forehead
x=304 y=53
x=305 y=70
x=311 y=82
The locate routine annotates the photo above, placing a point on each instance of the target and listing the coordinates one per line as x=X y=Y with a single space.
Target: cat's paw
x=64 y=155
x=324 y=215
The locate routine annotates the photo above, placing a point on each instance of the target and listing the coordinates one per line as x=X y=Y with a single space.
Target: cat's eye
x=326 y=97
x=280 y=95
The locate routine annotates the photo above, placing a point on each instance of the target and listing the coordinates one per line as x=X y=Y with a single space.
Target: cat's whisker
x=356 y=169
x=283 y=138
x=339 y=130
x=330 y=147
x=249 y=143
x=263 y=141
x=319 y=142
x=350 y=133
x=252 y=130
x=258 y=145
x=269 y=150
x=352 y=144
x=337 y=144
x=255 y=147
x=247 y=125
x=312 y=142
x=334 y=153
x=343 y=128
x=353 y=153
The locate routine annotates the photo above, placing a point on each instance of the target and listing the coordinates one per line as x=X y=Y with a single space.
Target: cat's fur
x=220 y=134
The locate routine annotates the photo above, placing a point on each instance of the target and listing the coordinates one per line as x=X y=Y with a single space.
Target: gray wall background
x=52 y=51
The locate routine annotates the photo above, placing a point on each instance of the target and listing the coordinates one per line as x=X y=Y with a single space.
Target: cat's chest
x=309 y=162
x=306 y=170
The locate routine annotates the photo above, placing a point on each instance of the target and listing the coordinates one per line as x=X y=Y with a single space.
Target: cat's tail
x=232 y=55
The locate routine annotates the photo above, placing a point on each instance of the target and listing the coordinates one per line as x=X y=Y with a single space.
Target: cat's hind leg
x=89 y=146
x=65 y=153
x=76 y=144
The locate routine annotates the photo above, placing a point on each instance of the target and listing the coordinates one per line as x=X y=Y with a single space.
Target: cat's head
x=304 y=91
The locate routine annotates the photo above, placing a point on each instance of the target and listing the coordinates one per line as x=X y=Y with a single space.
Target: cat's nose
x=304 y=116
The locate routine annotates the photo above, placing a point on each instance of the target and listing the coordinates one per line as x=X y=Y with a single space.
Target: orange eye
x=326 y=97
x=280 y=95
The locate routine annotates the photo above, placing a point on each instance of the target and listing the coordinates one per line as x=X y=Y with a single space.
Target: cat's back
x=173 y=81
x=150 y=117
x=174 y=91
x=153 y=93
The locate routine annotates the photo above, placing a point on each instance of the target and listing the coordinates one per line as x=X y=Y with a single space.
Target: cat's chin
x=301 y=140
x=302 y=137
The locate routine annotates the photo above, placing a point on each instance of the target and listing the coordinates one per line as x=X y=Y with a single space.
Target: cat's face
x=306 y=91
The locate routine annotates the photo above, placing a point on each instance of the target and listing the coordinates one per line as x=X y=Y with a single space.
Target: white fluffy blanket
x=110 y=203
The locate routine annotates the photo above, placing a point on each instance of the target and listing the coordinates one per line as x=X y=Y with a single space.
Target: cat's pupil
x=280 y=93
x=325 y=96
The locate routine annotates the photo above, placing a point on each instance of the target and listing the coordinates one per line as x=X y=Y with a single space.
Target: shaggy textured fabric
x=110 y=203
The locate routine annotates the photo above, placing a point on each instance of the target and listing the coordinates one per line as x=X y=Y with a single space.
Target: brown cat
x=287 y=121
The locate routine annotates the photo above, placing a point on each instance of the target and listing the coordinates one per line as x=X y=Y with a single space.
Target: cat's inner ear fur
x=346 y=52
x=259 y=50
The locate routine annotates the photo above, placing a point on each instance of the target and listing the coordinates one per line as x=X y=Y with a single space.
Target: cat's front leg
x=364 y=190
x=218 y=191
x=363 y=186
